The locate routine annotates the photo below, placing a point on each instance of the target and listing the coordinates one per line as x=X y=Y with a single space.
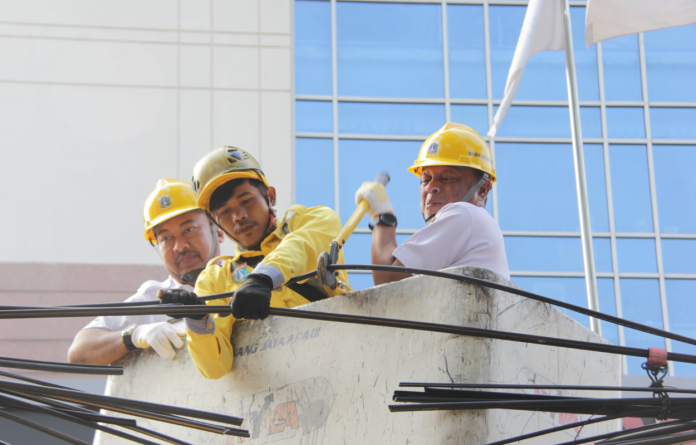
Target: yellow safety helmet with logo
x=170 y=198
x=457 y=145
x=220 y=166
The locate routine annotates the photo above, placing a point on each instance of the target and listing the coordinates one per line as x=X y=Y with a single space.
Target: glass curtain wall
x=373 y=80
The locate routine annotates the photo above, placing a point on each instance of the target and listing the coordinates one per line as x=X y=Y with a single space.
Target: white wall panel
x=122 y=13
x=98 y=100
x=74 y=61
x=194 y=63
x=196 y=14
x=194 y=129
x=235 y=67
x=236 y=120
x=276 y=148
x=236 y=15
x=274 y=16
x=80 y=162
x=273 y=74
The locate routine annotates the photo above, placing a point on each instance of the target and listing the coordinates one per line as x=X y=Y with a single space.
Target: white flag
x=542 y=30
x=606 y=19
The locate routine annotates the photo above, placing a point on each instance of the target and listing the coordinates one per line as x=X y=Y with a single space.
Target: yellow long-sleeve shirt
x=293 y=249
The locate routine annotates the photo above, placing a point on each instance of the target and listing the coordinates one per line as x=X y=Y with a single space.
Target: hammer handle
x=363 y=207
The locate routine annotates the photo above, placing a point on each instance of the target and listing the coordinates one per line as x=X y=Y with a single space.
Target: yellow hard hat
x=220 y=166
x=169 y=199
x=456 y=145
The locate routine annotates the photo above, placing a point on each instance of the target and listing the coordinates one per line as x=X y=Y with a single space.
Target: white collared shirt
x=461 y=234
x=146 y=292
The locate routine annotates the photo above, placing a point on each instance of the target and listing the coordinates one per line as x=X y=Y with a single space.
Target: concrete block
x=303 y=381
x=195 y=66
x=235 y=67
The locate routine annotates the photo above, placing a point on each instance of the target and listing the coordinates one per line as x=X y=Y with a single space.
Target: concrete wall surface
x=100 y=99
x=312 y=382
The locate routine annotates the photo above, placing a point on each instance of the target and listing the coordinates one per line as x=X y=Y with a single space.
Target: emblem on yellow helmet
x=169 y=199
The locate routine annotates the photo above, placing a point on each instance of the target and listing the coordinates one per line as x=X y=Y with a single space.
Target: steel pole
x=580 y=182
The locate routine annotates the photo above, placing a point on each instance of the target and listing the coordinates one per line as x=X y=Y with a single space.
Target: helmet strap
x=475 y=188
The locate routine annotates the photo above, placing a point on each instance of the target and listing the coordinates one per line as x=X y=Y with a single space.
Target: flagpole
x=580 y=182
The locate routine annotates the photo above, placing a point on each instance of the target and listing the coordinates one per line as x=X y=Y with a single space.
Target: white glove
x=160 y=336
x=376 y=195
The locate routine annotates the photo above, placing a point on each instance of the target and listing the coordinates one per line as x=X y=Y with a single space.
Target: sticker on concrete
x=297 y=408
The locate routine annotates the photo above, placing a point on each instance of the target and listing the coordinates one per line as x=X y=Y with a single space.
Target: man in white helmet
x=456 y=172
x=186 y=241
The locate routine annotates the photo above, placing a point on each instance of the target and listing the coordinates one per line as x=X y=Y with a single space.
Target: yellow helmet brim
x=203 y=200
x=150 y=228
x=418 y=167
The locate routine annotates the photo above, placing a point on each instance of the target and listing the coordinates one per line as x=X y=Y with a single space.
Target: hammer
x=327 y=278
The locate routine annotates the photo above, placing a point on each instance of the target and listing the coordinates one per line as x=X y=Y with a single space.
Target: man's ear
x=220 y=236
x=482 y=194
x=271 y=195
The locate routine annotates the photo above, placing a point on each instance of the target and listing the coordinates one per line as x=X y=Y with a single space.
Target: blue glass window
x=389 y=50
x=544 y=75
x=630 y=188
x=467 y=54
x=622 y=68
x=362 y=160
x=474 y=116
x=596 y=187
x=607 y=305
x=360 y=281
x=670 y=59
x=313 y=47
x=681 y=306
x=527 y=121
x=521 y=167
x=676 y=188
x=636 y=255
x=554 y=254
x=399 y=119
x=313 y=116
x=640 y=302
x=625 y=122
x=679 y=256
x=314 y=165
x=673 y=123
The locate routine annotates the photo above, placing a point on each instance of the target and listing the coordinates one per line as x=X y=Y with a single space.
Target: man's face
x=185 y=242
x=442 y=185
x=246 y=215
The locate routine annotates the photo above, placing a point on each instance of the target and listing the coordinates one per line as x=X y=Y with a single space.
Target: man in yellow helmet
x=235 y=194
x=456 y=172
x=186 y=241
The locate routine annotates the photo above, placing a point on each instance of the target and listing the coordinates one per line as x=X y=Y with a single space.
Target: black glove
x=180 y=296
x=253 y=299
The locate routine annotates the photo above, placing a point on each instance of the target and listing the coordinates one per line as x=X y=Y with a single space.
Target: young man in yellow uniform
x=235 y=194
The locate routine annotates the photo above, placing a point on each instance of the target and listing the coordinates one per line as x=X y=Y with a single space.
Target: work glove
x=181 y=296
x=158 y=336
x=376 y=195
x=253 y=299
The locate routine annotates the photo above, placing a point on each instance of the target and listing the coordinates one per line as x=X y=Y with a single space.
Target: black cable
x=35 y=365
x=473 y=332
x=38 y=427
x=520 y=292
x=86 y=398
x=557 y=387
